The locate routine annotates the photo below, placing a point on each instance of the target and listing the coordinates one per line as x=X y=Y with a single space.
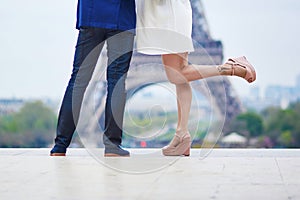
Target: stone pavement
x=207 y=174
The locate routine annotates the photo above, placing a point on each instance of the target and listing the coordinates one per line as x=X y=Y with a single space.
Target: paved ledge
x=206 y=174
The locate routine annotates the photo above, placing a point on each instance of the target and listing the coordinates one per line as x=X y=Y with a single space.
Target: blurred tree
x=249 y=123
x=286 y=139
x=296 y=126
x=282 y=126
x=33 y=126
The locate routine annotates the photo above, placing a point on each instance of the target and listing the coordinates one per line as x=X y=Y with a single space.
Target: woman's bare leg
x=184 y=99
x=196 y=72
x=180 y=73
x=174 y=63
x=191 y=72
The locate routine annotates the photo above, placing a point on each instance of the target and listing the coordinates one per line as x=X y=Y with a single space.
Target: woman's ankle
x=225 y=69
x=182 y=133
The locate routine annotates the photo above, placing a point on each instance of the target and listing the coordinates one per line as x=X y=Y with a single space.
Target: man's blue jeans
x=89 y=46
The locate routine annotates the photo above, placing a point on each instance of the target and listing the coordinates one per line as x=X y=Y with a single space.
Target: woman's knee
x=176 y=76
x=174 y=67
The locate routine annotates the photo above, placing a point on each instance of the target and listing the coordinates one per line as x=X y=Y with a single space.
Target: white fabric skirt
x=164 y=26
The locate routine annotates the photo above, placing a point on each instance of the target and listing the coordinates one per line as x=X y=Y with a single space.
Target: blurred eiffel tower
x=208 y=51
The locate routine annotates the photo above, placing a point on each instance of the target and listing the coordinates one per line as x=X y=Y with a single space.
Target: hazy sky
x=38 y=38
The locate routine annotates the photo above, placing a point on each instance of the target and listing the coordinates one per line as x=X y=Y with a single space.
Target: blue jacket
x=110 y=14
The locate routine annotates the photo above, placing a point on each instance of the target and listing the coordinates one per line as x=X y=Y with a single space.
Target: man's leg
x=119 y=51
x=89 y=45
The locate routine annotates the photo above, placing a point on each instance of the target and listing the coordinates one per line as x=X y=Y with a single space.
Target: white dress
x=164 y=26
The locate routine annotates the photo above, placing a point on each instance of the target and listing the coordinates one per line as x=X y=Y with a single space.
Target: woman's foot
x=180 y=145
x=238 y=67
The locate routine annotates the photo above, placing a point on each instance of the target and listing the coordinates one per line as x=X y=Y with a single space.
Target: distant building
x=281 y=95
x=297 y=88
x=274 y=95
x=8 y=106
